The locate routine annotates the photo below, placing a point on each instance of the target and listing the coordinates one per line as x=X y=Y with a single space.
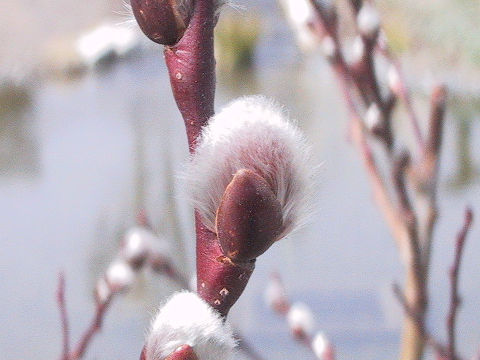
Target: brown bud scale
x=163 y=21
x=249 y=218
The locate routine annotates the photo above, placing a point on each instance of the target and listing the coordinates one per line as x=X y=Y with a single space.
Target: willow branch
x=404 y=94
x=93 y=328
x=439 y=349
x=454 y=278
x=63 y=316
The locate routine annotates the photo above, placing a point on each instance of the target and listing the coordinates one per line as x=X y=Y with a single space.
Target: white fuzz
x=373 y=116
x=358 y=49
x=274 y=293
x=252 y=133
x=120 y=276
x=187 y=320
x=320 y=345
x=126 y=14
x=393 y=80
x=300 y=14
x=138 y=242
x=368 y=20
x=300 y=317
x=102 y=291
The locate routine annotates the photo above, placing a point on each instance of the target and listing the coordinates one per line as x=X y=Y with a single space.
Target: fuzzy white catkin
x=138 y=242
x=185 y=319
x=368 y=20
x=300 y=14
x=394 y=82
x=358 y=49
x=252 y=133
x=373 y=116
x=119 y=276
x=320 y=345
x=300 y=317
x=274 y=293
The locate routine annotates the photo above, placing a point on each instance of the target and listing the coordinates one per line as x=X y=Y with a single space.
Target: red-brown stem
x=63 y=316
x=428 y=169
x=404 y=94
x=243 y=344
x=437 y=116
x=454 y=276
x=191 y=65
x=95 y=326
x=399 y=169
x=219 y=282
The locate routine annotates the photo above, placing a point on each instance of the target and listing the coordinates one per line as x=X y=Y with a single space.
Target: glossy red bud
x=185 y=352
x=249 y=218
x=163 y=21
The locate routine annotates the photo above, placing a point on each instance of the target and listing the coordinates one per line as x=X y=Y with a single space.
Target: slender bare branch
x=437 y=115
x=63 y=316
x=439 y=349
x=93 y=328
x=404 y=93
x=454 y=278
x=282 y=305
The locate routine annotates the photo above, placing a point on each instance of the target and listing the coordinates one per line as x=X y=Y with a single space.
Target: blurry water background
x=79 y=157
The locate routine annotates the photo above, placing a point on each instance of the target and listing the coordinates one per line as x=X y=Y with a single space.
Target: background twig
x=454 y=278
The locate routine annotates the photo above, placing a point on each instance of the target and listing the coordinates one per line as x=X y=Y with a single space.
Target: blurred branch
x=63 y=316
x=94 y=327
x=454 y=278
x=402 y=90
x=442 y=352
x=299 y=318
x=439 y=349
x=411 y=228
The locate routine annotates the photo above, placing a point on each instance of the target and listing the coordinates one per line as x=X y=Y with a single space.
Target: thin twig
x=425 y=173
x=94 y=327
x=345 y=79
x=380 y=191
x=437 y=115
x=63 y=316
x=404 y=93
x=399 y=170
x=454 y=277
x=282 y=307
x=439 y=349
